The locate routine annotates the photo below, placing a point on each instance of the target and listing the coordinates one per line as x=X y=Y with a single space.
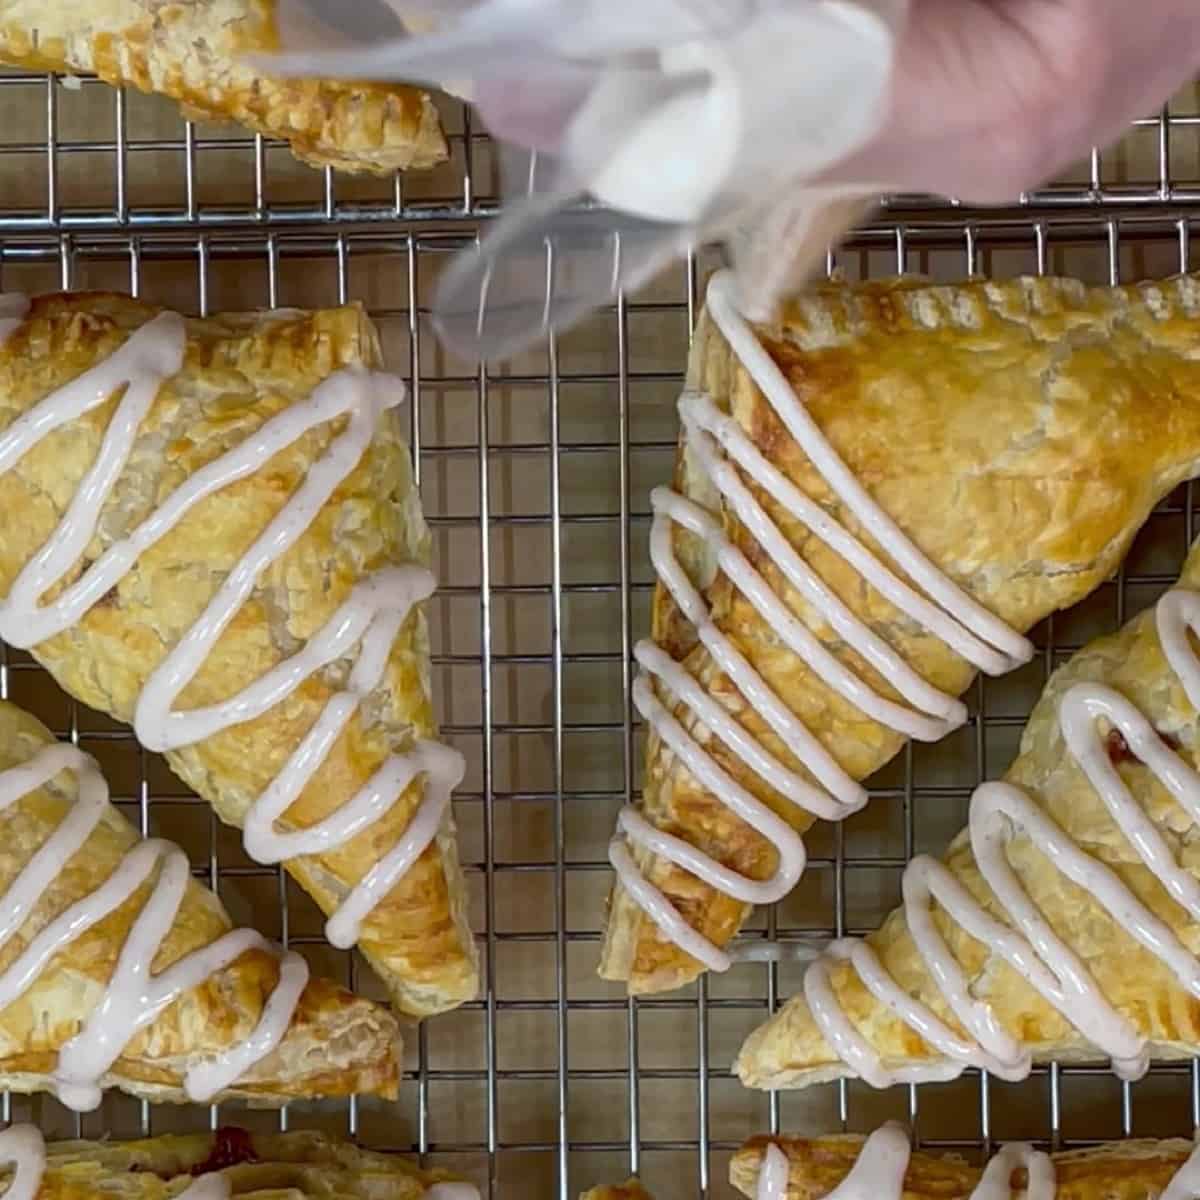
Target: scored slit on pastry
x=220 y=541
x=1063 y=922
x=117 y=968
x=871 y=499
x=215 y=1166
x=885 y=1167
x=201 y=54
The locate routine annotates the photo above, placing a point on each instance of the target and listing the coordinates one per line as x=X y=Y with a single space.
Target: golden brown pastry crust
x=239 y=371
x=788 y=1051
x=337 y=1043
x=286 y=1164
x=629 y=1190
x=1132 y=1170
x=1019 y=433
x=197 y=53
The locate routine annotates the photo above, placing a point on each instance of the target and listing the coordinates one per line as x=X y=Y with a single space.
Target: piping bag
x=630 y=130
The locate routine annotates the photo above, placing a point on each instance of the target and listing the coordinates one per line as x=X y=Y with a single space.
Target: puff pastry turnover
x=204 y=1166
x=197 y=53
x=1087 y=850
x=883 y=1168
x=871 y=499
x=217 y=537
x=88 y=908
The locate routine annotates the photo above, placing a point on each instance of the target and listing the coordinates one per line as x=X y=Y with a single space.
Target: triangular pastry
x=212 y=532
x=215 y=1166
x=118 y=968
x=201 y=54
x=884 y=1167
x=872 y=498
x=1064 y=922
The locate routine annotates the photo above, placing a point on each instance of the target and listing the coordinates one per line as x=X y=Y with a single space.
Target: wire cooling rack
x=535 y=478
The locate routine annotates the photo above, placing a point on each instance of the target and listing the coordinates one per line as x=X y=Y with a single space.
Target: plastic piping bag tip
x=542 y=268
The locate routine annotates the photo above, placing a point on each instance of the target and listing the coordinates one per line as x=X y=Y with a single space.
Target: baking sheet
x=535 y=478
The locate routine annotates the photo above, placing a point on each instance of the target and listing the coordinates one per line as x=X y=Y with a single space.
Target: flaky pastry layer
x=337 y=1043
x=263 y=1165
x=1019 y=433
x=789 y=1051
x=1133 y=1170
x=239 y=371
x=200 y=54
x=629 y=1190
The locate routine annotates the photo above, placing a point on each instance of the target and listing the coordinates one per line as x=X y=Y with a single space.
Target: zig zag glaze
x=370 y=618
x=1028 y=943
x=721 y=449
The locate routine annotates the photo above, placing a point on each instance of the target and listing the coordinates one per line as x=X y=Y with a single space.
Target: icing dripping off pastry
x=773 y=1175
x=1186 y=1184
x=452 y=1191
x=207 y=1187
x=1028 y=943
x=370 y=618
x=23 y=1149
x=879 y=1171
x=720 y=448
x=133 y=997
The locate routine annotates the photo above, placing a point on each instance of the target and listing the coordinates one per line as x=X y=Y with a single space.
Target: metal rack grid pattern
x=535 y=477
x=92 y=173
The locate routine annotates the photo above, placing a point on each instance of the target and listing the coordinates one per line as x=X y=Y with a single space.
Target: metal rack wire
x=535 y=478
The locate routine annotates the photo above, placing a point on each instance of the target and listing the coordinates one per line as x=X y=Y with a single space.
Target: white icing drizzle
x=996 y=1184
x=880 y=1169
x=718 y=446
x=1027 y=942
x=370 y=618
x=208 y=1187
x=1186 y=1183
x=23 y=1148
x=452 y=1191
x=1010 y=648
x=133 y=997
x=772 y=1175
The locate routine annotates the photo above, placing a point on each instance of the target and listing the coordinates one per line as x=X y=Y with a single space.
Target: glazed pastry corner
x=333 y=1042
x=306 y=386
x=1112 y=724
x=884 y=1167
x=1015 y=434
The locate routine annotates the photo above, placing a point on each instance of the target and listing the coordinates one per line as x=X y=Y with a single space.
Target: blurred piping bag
x=631 y=130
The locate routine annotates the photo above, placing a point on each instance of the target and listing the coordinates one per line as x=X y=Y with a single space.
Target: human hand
x=992 y=97
x=770 y=124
